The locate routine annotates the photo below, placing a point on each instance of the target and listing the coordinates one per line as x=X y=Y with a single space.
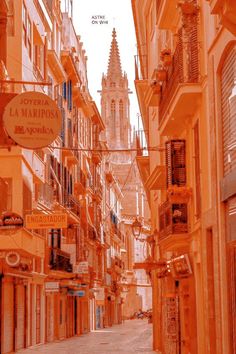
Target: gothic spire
x=114 y=66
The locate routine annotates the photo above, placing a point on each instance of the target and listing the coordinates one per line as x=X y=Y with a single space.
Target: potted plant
x=177 y=194
x=161 y=74
x=166 y=56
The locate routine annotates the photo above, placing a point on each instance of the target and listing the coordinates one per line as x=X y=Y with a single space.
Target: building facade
x=185 y=83
x=57 y=280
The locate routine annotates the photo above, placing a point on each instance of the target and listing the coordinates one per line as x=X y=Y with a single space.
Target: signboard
x=99 y=294
x=81 y=268
x=43 y=221
x=10 y=220
x=180 y=266
x=79 y=293
x=52 y=286
x=32 y=120
x=12 y=259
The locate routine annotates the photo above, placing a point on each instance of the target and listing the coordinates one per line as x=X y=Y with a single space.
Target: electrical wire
x=150 y=148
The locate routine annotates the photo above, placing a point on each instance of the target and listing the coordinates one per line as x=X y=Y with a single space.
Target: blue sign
x=79 y=293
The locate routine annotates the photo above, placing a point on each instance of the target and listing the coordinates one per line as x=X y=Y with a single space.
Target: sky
x=94 y=21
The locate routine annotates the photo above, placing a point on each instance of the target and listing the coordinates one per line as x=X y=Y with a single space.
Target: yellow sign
x=43 y=221
x=32 y=120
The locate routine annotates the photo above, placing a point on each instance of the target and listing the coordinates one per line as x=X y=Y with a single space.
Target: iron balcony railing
x=71 y=203
x=141 y=142
x=184 y=68
x=173 y=219
x=140 y=65
x=60 y=260
x=46 y=195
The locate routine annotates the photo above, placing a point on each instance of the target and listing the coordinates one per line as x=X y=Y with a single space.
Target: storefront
x=22 y=305
x=178 y=306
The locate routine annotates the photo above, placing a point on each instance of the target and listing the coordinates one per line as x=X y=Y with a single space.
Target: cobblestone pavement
x=134 y=336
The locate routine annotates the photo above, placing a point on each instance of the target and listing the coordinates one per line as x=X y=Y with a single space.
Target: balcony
x=22 y=240
x=45 y=196
x=96 y=153
x=227 y=12
x=181 y=91
x=142 y=159
x=80 y=184
x=173 y=220
x=141 y=85
x=68 y=62
x=167 y=14
x=60 y=260
x=72 y=205
x=56 y=66
x=39 y=169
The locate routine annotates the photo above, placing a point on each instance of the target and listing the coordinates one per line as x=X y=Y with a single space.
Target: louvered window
x=228 y=104
x=27 y=198
x=176 y=163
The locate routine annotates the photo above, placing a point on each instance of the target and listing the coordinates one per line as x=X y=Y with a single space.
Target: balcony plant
x=188 y=8
x=166 y=57
x=161 y=74
x=177 y=194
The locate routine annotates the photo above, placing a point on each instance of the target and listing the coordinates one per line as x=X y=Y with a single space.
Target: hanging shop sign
x=9 y=220
x=32 y=120
x=99 y=294
x=52 y=286
x=81 y=268
x=43 y=221
x=180 y=267
x=12 y=259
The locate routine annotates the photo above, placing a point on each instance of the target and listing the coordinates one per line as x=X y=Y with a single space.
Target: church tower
x=115 y=101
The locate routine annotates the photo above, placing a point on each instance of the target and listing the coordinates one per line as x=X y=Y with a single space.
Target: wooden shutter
x=20 y=316
x=176 y=163
x=38 y=313
x=8 y=318
x=193 y=73
x=228 y=104
x=63 y=127
x=27 y=199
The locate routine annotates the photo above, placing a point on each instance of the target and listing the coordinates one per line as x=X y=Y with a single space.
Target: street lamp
x=136 y=228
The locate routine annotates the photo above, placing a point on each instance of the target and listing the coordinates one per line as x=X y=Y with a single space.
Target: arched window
x=228 y=106
x=113 y=116
x=113 y=108
x=121 y=109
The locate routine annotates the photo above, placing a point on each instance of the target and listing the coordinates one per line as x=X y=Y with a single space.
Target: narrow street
x=134 y=336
